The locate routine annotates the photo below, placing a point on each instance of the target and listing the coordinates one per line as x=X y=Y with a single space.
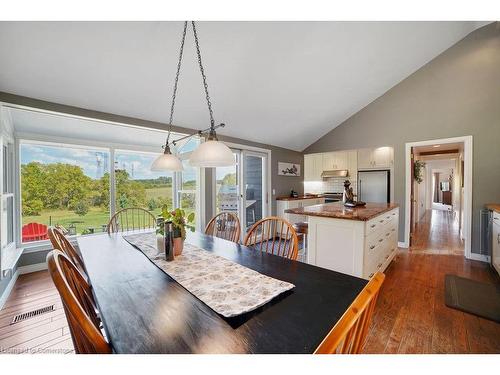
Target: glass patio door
x=242 y=188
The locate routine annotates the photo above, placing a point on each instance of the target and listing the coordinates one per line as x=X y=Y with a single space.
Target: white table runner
x=228 y=288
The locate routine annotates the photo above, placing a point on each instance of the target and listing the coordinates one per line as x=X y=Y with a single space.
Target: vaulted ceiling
x=280 y=83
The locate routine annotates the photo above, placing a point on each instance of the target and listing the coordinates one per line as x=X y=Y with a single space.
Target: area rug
x=472 y=297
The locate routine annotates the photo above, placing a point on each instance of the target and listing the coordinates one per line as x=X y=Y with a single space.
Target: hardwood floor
x=46 y=333
x=411 y=317
x=437 y=233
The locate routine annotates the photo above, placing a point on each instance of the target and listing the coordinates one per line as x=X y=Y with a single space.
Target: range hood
x=335 y=173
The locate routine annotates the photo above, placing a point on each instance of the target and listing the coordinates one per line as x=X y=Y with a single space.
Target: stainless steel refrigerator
x=374 y=186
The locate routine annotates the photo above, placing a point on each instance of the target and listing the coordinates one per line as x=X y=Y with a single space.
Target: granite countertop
x=493 y=207
x=288 y=198
x=339 y=211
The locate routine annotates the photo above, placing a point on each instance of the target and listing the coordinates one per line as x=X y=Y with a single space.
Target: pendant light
x=212 y=152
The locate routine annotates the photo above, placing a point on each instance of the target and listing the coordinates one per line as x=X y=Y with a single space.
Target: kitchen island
x=357 y=241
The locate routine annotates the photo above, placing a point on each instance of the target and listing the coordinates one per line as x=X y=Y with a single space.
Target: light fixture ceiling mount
x=212 y=152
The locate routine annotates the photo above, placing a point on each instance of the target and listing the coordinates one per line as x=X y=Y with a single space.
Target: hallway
x=437 y=233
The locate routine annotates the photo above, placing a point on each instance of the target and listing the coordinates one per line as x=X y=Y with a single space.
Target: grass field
x=95 y=218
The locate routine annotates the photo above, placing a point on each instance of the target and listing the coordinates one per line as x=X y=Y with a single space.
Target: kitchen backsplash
x=329 y=185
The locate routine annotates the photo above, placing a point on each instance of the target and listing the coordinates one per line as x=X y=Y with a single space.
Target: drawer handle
x=387 y=217
x=380 y=240
x=372 y=247
x=388 y=234
x=381 y=221
x=393 y=230
x=372 y=226
x=379 y=265
x=371 y=275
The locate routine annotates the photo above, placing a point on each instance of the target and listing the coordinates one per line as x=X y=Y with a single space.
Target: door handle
x=498 y=238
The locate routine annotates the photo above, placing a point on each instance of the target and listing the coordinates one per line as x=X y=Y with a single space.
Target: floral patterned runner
x=228 y=288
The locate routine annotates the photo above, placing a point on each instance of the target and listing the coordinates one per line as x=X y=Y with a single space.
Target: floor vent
x=31 y=314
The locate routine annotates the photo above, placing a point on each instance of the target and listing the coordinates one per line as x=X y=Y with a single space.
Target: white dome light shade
x=167 y=162
x=212 y=154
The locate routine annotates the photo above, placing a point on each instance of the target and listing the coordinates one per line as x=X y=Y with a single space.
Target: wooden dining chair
x=78 y=303
x=225 y=225
x=348 y=336
x=132 y=218
x=60 y=242
x=274 y=235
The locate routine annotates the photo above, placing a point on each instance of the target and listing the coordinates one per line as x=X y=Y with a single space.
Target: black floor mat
x=473 y=297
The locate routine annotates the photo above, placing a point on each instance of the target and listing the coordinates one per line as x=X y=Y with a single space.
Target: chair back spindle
x=133 y=218
x=60 y=242
x=78 y=303
x=225 y=225
x=274 y=235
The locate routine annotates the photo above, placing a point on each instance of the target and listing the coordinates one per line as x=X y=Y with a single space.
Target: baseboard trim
x=6 y=293
x=480 y=257
x=20 y=271
x=32 y=268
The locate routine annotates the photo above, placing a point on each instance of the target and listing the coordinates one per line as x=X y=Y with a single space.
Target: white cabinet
x=495 y=249
x=335 y=160
x=353 y=247
x=352 y=164
x=313 y=166
x=285 y=204
x=375 y=158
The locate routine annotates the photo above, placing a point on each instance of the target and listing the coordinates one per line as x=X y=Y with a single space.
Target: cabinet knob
x=371 y=275
x=379 y=265
x=372 y=226
x=380 y=240
x=372 y=247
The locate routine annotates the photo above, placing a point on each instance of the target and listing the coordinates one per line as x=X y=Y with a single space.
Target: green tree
x=33 y=188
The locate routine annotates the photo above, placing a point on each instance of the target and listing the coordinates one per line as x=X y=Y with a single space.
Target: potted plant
x=180 y=222
x=418 y=167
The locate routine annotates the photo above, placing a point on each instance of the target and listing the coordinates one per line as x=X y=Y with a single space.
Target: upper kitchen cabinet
x=335 y=160
x=313 y=166
x=375 y=158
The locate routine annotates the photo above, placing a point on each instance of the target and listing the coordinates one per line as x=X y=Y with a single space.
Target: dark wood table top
x=145 y=311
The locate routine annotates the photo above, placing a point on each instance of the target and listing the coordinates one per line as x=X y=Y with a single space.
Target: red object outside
x=34 y=232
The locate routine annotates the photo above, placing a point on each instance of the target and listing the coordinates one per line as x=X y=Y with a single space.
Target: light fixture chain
x=205 y=85
x=181 y=51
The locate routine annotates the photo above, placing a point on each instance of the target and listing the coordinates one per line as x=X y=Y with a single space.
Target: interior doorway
x=243 y=188
x=438 y=186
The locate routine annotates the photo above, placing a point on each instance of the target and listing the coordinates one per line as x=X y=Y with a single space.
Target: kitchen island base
x=355 y=247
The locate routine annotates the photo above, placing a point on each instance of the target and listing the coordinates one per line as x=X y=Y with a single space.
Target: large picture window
x=64 y=186
x=137 y=186
x=69 y=186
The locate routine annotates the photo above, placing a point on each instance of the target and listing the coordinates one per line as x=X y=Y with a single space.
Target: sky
x=96 y=162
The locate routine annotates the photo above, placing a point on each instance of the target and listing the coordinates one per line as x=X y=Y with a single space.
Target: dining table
x=144 y=310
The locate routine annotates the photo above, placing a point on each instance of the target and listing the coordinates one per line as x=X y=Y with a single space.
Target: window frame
x=84 y=144
x=8 y=142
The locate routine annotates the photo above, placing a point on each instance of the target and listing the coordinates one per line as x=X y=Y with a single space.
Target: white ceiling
x=281 y=83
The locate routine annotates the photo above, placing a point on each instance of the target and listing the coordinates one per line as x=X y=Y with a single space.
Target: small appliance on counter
x=294 y=194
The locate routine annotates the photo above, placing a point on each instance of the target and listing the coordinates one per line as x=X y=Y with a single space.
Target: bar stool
x=301 y=228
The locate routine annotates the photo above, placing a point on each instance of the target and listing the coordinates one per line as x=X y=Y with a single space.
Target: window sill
x=10 y=258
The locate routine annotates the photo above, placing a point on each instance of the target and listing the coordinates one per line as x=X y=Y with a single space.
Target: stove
x=332 y=197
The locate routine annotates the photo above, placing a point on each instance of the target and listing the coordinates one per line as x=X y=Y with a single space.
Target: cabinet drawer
x=375 y=224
